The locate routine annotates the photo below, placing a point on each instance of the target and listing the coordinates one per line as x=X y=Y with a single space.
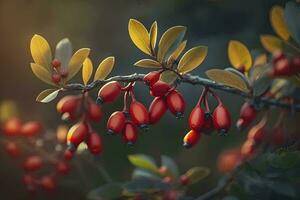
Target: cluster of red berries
x=284 y=66
x=59 y=72
x=14 y=128
x=202 y=121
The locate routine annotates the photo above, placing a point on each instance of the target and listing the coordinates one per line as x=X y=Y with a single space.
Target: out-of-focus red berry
x=33 y=163
x=12 y=127
x=12 y=149
x=229 y=160
x=32 y=128
x=94 y=143
x=68 y=104
x=94 y=112
x=184 y=180
x=55 y=63
x=68 y=154
x=248 y=148
x=191 y=138
x=130 y=133
x=48 y=183
x=62 y=168
x=56 y=78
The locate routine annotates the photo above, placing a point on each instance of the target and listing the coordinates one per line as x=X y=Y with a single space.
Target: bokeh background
x=102 y=26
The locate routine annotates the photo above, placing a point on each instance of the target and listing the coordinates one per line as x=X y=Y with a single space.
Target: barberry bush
x=264 y=166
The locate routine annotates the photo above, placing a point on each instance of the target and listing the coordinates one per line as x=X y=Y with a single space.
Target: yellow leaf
x=147 y=63
x=104 y=68
x=47 y=95
x=239 y=55
x=168 y=77
x=87 y=70
x=76 y=62
x=8 y=109
x=41 y=52
x=227 y=78
x=277 y=22
x=41 y=73
x=153 y=35
x=177 y=52
x=196 y=174
x=192 y=59
x=168 y=39
x=139 y=36
x=260 y=60
x=271 y=43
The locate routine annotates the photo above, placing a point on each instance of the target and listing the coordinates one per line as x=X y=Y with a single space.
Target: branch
x=190 y=79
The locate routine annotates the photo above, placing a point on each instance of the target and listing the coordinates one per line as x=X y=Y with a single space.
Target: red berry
x=163 y=170
x=296 y=65
x=62 y=168
x=159 y=88
x=168 y=180
x=55 y=63
x=48 y=183
x=116 y=122
x=12 y=149
x=256 y=133
x=56 y=78
x=282 y=68
x=191 y=138
x=68 y=116
x=229 y=160
x=157 y=109
x=94 y=143
x=33 y=163
x=130 y=133
x=248 y=112
x=139 y=114
x=94 y=112
x=241 y=123
x=184 y=180
x=64 y=73
x=28 y=180
x=176 y=103
x=221 y=119
x=277 y=56
x=12 y=127
x=68 y=154
x=68 y=104
x=197 y=118
x=151 y=77
x=31 y=128
x=109 y=92
x=248 y=148
x=77 y=134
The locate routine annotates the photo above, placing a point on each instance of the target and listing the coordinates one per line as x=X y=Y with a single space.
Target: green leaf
x=147 y=63
x=47 y=95
x=168 y=77
x=227 y=78
x=284 y=160
x=196 y=174
x=143 y=161
x=192 y=59
x=109 y=191
x=76 y=62
x=141 y=173
x=292 y=19
x=241 y=75
x=171 y=165
x=63 y=52
x=148 y=186
x=261 y=85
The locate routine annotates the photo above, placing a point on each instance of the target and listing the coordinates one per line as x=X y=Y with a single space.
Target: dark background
x=102 y=26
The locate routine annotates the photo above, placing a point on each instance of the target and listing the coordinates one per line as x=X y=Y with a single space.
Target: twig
x=190 y=79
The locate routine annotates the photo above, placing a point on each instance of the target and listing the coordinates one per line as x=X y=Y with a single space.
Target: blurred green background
x=102 y=26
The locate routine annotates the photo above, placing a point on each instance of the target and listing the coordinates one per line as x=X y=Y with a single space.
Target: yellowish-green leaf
x=76 y=62
x=143 y=161
x=40 y=51
x=260 y=60
x=168 y=77
x=168 y=39
x=104 y=68
x=153 y=35
x=139 y=35
x=147 y=63
x=227 y=78
x=239 y=55
x=47 y=95
x=8 y=109
x=87 y=70
x=271 y=43
x=192 y=59
x=41 y=73
x=196 y=174
x=277 y=22
x=177 y=52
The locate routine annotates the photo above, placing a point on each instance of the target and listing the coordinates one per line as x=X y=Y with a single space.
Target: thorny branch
x=190 y=79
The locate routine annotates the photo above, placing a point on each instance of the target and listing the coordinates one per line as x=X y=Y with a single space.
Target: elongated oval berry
x=229 y=160
x=33 y=163
x=139 y=114
x=282 y=68
x=62 y=168
x=159 y=89
x=109 y=92
x=157 y=109
x=184 y=179
x=31 y=128
x=130 y=133
x=176 y=103
x=48 y=183
x=55 y=63
x=191 y=138
x=151 y=77
x=248 y=112
x=256 y=133
x=197 y=118
x=68 y=104
x=56 y=78
x=77 y=134
x=248 y=148
x=12 y=127
x=221 y=119
x=94 y=143
x=28 y=180
x=12 y=149
x=68 y=154
x=94 y=112
x=116 y=122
